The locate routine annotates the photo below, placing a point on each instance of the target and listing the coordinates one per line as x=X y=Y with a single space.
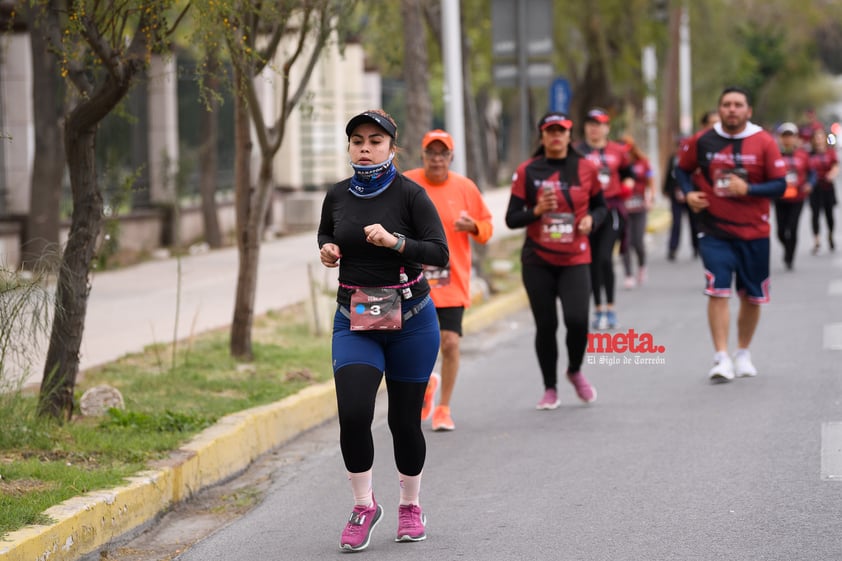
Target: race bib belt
x=375 y=309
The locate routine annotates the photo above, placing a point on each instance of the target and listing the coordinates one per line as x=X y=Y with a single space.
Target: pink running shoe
x=549 y=401
x=411 y=524
x=362 y=521
x=584 y=389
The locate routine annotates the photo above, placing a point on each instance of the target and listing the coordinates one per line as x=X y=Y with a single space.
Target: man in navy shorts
x=741 y=171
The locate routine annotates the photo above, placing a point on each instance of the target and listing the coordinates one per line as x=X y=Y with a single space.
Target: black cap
x=371 y=117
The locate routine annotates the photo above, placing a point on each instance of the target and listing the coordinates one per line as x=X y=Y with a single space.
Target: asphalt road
x=664 y=466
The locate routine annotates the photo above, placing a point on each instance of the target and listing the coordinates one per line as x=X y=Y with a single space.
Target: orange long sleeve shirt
x=451 y=287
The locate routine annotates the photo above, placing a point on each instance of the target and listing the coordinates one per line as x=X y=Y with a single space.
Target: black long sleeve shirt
x=403 y=208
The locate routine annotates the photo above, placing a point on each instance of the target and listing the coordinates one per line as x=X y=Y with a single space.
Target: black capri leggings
x=822 y=201
x=544 y=284
x=356 y=392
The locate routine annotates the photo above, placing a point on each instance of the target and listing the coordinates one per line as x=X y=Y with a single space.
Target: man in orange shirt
x=464 y=215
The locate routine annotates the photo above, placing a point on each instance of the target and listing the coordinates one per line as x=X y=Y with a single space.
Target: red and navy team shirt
x=711 y=152
x=821 y=163
x=537 y=173
x=797 y=168
x=609 y=161
x=641 y=172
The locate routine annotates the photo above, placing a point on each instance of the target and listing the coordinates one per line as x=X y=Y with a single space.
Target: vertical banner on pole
x=560 y=95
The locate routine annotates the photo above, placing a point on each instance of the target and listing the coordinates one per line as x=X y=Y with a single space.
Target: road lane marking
x=832 y=339
x=835 y=288
x=832 y=451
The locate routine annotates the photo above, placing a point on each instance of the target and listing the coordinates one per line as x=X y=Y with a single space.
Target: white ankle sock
x=742 y=353
x=361 y=487
x=720 y=356
x=410 y=488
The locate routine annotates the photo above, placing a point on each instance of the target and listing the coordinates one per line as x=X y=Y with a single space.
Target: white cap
x=788 y=127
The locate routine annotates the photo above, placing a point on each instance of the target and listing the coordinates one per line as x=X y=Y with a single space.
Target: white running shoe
x=723 y=369
x=743 y=366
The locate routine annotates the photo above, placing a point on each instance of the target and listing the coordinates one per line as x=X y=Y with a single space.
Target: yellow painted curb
x=86 y=523
x=658 y=220
x=481 y=317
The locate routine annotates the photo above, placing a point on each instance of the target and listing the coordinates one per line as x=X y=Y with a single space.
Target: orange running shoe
x=430 y=396
x=442 y=419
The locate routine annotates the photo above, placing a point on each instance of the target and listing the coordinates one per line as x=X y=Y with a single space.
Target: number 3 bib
x=376 y=309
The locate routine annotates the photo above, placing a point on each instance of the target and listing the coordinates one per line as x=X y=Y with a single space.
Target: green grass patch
x=43 y=463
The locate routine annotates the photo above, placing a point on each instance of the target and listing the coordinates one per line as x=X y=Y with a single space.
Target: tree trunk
x=419 y=107
x=40 y=244
x=476 y=169
x=62 y=364
x=208 y=164
x=669 y=114
x=594 y=89
x=241 y=347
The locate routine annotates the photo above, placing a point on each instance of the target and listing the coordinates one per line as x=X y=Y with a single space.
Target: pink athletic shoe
x=549 y=401
x=411 y=524
x=362 y=521
x=584 y=389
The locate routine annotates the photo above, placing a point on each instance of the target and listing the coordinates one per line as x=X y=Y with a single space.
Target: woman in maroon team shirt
x=823 y=198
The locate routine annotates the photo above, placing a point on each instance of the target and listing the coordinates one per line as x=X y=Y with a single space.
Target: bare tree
x=253 y=33
x=103 y=47
x=416 y=76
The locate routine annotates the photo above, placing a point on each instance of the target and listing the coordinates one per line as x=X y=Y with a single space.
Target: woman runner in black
x=379 y=227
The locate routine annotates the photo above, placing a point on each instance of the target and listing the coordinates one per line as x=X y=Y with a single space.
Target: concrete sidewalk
x=131 y=308
x=135 y=307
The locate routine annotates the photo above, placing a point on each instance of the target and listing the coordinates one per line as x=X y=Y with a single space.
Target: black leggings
x=635 y=232
x=572 y=285
x=356 y=392
x=822 y=200
x=787 y=215
x=602 y=254
x=678 y=212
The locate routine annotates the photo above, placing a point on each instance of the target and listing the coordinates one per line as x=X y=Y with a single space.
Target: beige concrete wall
x=313 y=153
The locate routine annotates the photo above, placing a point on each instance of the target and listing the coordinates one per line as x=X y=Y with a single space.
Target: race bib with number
x=376 y=309
x=604 y=176
x=437 y=277
x=635 y=203
x=557 y=227
x=791 y=185
x=722 y=182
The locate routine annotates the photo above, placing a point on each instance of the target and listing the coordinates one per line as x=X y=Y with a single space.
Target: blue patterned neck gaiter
x=370 y=181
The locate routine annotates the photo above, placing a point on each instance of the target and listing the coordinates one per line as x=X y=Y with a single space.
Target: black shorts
x=450 y=319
